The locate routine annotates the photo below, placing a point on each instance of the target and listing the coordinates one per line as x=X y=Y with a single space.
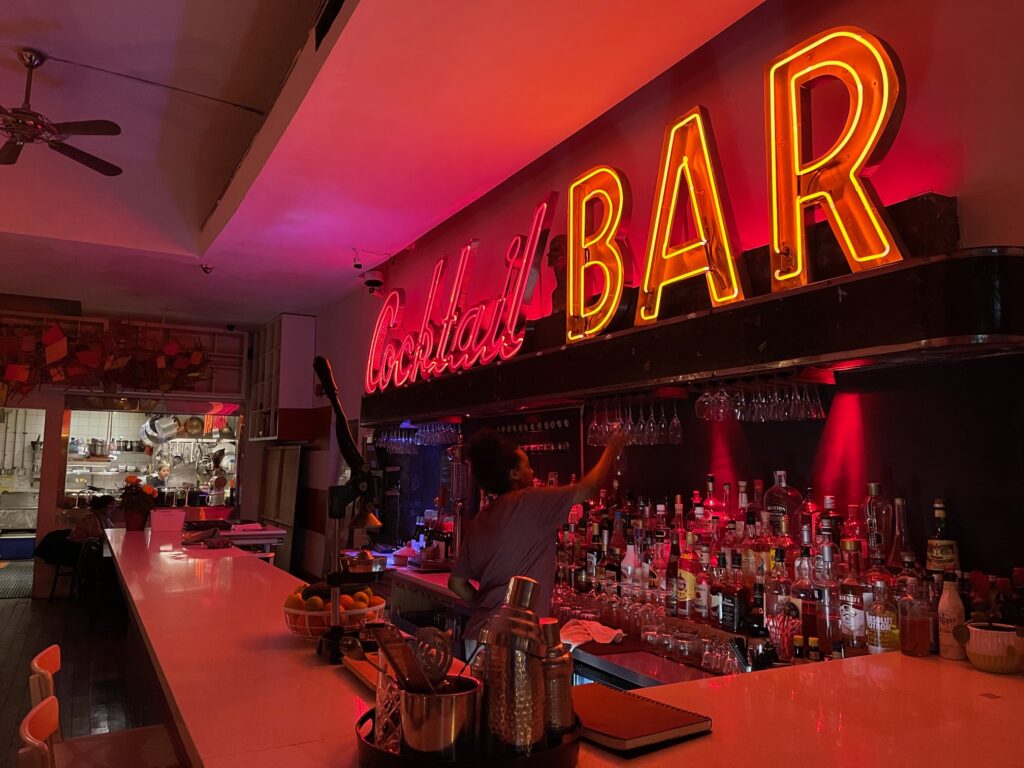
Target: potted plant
x=137 y=500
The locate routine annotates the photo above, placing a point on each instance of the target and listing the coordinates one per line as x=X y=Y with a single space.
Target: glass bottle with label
x=686 y=583
x=882 y=622
x=802 y=594
x=852 y=619
x=942 y=550
x=878 y=516
x=805 y=514
x=702 y=589
x=855 y=529
x=901 y=537
x=718 y=582
x=827 y=594
x=907 y=582
x=780 y=623
x=781 y=500
x=672 y=577
x=951 y=615
x=735 y=599
x=712 y=504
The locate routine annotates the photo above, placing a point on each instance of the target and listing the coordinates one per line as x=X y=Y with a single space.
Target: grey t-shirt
x=514 y=536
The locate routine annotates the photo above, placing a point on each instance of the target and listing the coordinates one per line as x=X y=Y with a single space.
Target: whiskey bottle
x=942 y=550
x=781 y=500
x=852 y=618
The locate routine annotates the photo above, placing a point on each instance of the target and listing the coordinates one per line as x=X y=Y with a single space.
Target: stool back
x=36 y=732
x=41 y=671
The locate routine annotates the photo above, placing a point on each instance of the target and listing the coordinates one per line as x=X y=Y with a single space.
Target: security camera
x=207 y=269
x=373 y=280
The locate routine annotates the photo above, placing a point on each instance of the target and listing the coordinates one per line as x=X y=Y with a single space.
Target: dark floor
x=96 y=686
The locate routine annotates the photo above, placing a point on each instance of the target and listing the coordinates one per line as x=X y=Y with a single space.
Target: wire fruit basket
x=312 y=624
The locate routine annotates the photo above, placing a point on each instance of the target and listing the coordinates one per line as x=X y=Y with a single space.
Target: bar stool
x=40 y=733
x=45 y=747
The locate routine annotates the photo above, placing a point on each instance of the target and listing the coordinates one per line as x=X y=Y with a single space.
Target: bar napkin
x=576 y=632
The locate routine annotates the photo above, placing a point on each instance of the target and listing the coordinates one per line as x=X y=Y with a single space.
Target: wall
x=958 y=137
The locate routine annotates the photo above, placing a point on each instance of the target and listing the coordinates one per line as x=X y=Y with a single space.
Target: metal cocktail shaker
x=510 y=665
x=559 y=714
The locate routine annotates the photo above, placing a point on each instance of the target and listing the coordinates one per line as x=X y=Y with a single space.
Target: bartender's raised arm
x=588 y=487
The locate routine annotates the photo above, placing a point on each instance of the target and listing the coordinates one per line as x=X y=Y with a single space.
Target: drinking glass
x=675 y=427
x=650 y=636
x=629 y=428
x=651 y=429
x=663 y=426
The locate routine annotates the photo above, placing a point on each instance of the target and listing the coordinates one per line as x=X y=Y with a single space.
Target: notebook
x=623 y=721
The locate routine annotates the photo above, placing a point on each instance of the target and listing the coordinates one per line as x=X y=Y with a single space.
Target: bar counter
x=244 y=692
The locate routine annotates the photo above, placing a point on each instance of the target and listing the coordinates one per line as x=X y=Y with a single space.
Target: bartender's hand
x=588 y=487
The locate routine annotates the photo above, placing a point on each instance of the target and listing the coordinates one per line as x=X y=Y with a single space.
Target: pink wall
x=959 y=136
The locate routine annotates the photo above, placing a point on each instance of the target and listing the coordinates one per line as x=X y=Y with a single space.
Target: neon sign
x=690 y=174
x=689 y=158
x=466 y=336
x=833 y=180
x=603 y=192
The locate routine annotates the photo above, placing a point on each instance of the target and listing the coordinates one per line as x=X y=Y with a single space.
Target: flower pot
x=135 y=520
x=994 y=648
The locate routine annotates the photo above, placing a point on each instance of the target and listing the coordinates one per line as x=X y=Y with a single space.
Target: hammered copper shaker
x=511 y=667
x=559 y=714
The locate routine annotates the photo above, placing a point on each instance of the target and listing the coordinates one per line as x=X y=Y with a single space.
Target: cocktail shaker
x=559 y=714
x=510 y=665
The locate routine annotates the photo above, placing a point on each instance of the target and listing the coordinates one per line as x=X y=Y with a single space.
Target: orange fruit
x=368 y=591
x=295 y=602
x=376 y=600
x=314 y=604
x=361 y=596
x=346 y=602
x=359 y=605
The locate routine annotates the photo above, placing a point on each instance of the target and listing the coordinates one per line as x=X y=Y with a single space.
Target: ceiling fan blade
x=9 y=152
x=89 y=128
x=91 y=161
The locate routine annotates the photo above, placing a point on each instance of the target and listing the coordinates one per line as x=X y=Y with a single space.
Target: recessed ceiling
x=410 y=111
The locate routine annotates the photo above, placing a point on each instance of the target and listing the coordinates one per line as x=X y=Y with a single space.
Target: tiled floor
x=98 y=686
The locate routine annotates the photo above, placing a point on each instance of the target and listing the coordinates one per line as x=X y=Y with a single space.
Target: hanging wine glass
x=662 y=426
x=652 y=427
x=675 y=427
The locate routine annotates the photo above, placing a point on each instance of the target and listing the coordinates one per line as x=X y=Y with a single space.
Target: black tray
x=565 y=755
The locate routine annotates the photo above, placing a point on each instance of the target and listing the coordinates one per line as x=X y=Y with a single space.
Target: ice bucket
x=442 y=725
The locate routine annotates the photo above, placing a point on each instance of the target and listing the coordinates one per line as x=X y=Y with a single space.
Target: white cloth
x=576 y=632
x=243 y=527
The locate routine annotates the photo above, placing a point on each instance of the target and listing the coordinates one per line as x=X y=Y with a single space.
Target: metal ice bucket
x=442 y=725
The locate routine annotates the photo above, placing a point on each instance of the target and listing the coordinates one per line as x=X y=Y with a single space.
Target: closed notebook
x=623 y=721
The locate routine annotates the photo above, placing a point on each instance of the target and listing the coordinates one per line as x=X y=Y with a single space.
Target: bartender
x=515 y=534
x=159 y=478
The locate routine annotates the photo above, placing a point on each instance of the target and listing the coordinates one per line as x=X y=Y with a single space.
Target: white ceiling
x=451 y=98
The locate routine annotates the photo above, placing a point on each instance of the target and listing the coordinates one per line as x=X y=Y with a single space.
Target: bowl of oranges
x=310 y=616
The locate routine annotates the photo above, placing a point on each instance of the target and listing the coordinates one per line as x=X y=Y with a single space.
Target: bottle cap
x=522 y=592
x=780 y=477
x=742 y=484
x=798 y=640
x=759 y=485
x=939 y=504
x=549 y=631
x=780 y=554
x=826 y=553
x=874 y=489
x=813 y=642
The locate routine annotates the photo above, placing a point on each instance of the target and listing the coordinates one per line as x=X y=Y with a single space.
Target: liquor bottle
x=672 y=577
x=748 y=552
x=783 y=541
x=827 y=595
x=678 y=514
x=854 y=529
x=822 y=538
x=879 y=518
x=756 y=504
x=660 y=517
x=813 y=649
x=805 y=514
x=852 y=618
x=659 y=562
x=908 y=581
x=695 y=517
x=686 y=582
x=718 y=581
x=777 y=586
x=728 y=508
x=755 y=622
x=799 y=655
x=802 y=594
x=702 y=590
x=877 y=575
x=712 y=504
x=942 y=550
x=735 y=598
x=609 y=567
x=951 y=615
x=730 y=543
x=780 y=500
x=630 y=564
x=901 y=537
x=617 y=540
x=883 y=622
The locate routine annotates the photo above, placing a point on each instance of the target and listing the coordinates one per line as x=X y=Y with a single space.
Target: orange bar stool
x=45 y=747
x=43 y=667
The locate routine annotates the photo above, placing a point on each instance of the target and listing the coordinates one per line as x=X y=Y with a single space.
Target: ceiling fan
x=23 y=125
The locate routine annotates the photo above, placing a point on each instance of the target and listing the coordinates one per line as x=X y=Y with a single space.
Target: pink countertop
x=245 y=692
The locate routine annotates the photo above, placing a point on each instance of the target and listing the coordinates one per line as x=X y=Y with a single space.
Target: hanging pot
x=194 y=426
